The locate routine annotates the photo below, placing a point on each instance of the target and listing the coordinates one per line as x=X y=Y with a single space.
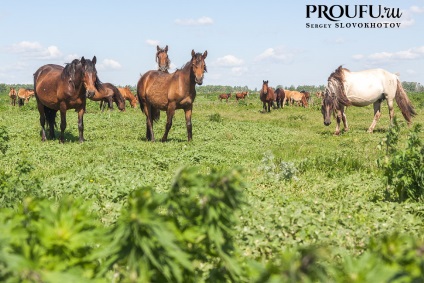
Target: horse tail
x=50 y=115
x=404 y=103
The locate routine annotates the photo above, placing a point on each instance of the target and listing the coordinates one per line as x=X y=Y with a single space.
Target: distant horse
x=60 y=88
x=294 y=96
x=307 y=94
x=109 y=94
x=241 y=95
x=279 y=97
x=225 y=96
x=157 y=90
x=24 y=95
x=13 y=95
x=162 y=59
x=128 y=95
x=362 y=88
x=319 y=94
x=267 y=96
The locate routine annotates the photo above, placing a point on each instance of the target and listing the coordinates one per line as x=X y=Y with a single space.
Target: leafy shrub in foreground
x=404 y=169
x=4 y=138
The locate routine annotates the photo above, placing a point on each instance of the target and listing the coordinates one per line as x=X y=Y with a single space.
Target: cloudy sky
x=247 y=41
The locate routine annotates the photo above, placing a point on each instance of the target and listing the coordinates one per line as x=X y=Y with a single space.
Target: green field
x=301 y=186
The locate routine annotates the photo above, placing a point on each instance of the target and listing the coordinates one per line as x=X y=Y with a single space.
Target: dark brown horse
x=109 y=94
x=241 y=95
x=225 y=96
x=157 y=90
x=162 y=59
x=13 y=95
x=60 y=88
x=267 y=96
x=279 y=97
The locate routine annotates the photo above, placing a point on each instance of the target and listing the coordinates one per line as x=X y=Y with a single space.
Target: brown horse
x=109 y=94
x=241 y=95
x=128 y=95
x=307 y=94
x=279 y=97
x=225 y=96
x=162 y=58
x=157 y=90
x=267 y=96
x=24 y=95
x=60 y=88
x=13 y=95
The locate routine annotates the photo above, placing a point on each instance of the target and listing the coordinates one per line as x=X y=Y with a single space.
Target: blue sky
x=247 y=41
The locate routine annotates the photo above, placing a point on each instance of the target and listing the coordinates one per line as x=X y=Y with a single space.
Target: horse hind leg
x=42 y=121
x=377 y=114
x=169 y=116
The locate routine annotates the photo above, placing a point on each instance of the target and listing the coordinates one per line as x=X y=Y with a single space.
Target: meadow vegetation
x=255 y=197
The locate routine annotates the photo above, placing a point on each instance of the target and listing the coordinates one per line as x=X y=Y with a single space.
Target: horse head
x=265 y=87
x=89 y=76
x=198 y=66
x=328 y=105
x=162 y=58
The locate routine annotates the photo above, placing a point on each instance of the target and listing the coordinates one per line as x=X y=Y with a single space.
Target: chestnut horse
x=157 y=90
x=24 y=95
x=241 y=95
x=267 y=96
x=225 y=96
x=279 y=97
x=162 y=58
x=294 y=95
x=12 y=95
x=128 y=95
x=109 y=94
x=60 y=88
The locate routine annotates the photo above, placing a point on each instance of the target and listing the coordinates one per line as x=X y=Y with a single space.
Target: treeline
x=408 y=86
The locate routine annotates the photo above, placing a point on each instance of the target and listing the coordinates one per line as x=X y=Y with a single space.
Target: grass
x=337 y=198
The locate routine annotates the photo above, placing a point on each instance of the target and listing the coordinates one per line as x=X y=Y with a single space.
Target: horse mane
x=69 y=70
x=337 y=79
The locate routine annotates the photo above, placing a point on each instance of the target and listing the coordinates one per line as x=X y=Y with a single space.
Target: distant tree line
x=408 y=86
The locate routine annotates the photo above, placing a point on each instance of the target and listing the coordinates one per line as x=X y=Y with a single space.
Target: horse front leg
x=377 y=114
x=63 y=123
x=80 y=124
x=338 y=119
x=169 y=115
x=188 y=112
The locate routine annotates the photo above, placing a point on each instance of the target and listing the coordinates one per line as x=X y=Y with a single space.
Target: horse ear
x=205 y=54
x=83 y=60
x=157 y=47
x=193 y=53
x=166 y=48
x=94 y=60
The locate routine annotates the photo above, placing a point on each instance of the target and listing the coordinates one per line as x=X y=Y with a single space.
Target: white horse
x=347 y=88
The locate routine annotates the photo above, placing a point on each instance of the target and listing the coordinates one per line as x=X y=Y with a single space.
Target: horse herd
x=58 y=88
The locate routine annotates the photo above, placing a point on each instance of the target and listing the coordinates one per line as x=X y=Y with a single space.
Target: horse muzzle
x=327 y=123
x=199 y=81
x=89 y=94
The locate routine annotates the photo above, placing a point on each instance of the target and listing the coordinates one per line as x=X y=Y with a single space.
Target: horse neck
x=188 y=76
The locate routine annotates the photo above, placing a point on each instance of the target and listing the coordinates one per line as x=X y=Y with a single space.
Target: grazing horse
x=162 y=59
x=128 y=95
x=307 y=94
x=267 y=96
x=241 y=95
x=319 y=94
x=293 y=95
x=363 y=88
x=109 y=94
x=12 y=95
x=225 y=96
x=157 y=90
x=24 y=95
x=60 y=88
x=279 y=97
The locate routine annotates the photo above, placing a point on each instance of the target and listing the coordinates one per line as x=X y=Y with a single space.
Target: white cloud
x=238 y=71
x=416 y=9
x=194 y=22
x=228 y=61
x=386 y=57
x=35 y=50
x=280 y=54
x=110 y=64
x=152 y=42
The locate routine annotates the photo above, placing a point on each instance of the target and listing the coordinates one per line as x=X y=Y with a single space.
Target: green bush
x=404 y=169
